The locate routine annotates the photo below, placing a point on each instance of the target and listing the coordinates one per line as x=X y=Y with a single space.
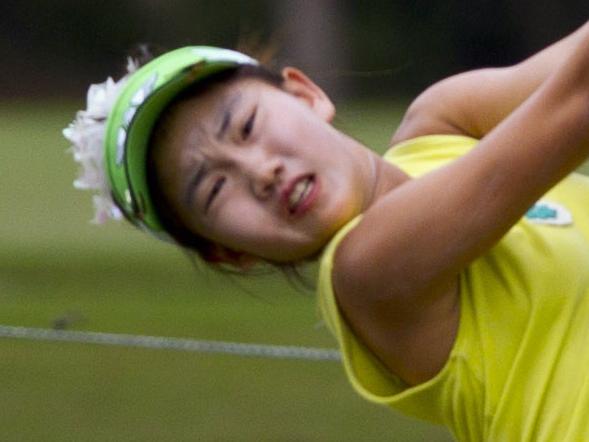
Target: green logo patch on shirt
x=546 y=212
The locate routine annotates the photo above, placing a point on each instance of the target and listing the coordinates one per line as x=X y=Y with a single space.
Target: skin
x=271 y=138
x=406 y=312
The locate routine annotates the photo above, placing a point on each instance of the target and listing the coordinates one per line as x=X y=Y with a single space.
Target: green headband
x=144 y=96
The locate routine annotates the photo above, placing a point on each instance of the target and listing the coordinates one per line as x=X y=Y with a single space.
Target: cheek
x=240 y=221
x=249 y=228
x=296 y=135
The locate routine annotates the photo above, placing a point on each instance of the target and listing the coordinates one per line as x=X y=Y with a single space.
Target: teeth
x=299 y=193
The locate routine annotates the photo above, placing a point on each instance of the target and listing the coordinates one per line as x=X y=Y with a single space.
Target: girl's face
x=260 y=170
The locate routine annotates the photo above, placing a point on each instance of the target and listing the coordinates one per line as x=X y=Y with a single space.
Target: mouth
x=299 y=196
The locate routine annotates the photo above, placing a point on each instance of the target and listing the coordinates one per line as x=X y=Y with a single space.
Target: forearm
x=542 y=141
x=398 y=269
x=396 y=273
x=456 y=213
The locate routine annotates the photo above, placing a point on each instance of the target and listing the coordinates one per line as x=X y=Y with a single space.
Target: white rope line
x=160 y=342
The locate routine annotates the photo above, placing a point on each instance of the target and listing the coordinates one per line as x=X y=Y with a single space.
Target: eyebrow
x=228 y=108
x=194 y=182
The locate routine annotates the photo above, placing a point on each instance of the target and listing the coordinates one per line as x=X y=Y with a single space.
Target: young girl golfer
x=454 y=270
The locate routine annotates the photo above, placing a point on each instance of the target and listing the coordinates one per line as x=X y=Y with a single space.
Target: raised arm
x=473 y=103
x=395 y=273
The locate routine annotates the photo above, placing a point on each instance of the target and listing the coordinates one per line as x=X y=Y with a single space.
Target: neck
x=384 y=177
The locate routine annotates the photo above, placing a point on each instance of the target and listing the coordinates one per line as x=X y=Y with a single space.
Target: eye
x=248 y=127
x=214 y=192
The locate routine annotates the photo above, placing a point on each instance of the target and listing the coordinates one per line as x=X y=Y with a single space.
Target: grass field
x=54 y=264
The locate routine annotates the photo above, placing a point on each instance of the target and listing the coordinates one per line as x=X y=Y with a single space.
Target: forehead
x=191 y=126
x=201 y=113
x=196 y=121
x=192 y=122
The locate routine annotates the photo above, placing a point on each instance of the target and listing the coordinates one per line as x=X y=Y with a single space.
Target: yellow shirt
x=519 y=367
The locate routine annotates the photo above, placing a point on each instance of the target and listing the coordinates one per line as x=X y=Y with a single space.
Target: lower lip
x=309 y=200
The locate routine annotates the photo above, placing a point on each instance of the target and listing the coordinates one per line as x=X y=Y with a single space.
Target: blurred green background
x=56 y=266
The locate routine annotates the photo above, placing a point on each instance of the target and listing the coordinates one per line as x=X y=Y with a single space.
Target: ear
x=239 y=260
x=302 y=87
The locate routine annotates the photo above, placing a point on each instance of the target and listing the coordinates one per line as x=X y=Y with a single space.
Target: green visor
x=128 y=130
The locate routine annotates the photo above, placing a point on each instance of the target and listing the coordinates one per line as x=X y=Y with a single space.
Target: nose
x=264 y=175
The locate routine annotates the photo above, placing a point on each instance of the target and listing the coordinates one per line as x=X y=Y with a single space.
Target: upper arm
x=411 y=338
x=471 y=103
x=475 y=102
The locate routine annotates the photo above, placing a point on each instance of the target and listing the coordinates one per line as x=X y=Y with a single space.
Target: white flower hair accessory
x=87 y=133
